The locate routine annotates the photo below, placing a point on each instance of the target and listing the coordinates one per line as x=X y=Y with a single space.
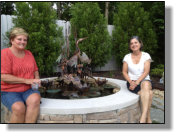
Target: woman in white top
x=136 y=67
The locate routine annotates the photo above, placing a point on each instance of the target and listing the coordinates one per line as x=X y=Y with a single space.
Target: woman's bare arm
x=125 y=72
x=8 y=78
x=36 y=75
x=145 y=73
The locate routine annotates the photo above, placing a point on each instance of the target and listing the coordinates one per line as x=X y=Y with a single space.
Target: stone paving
x=157 y=108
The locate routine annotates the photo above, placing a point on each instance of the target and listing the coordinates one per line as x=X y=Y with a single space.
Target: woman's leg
x=145 y=98
x=149 y=108
x=18 y=113
x=14 y=102
x=33 y=106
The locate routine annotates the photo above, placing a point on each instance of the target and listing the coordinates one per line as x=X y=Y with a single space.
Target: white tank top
x=136 y=70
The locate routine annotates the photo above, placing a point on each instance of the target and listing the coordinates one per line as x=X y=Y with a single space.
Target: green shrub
x=131 y=19
x=158 y=71
x=45 y=37
x=87 y=21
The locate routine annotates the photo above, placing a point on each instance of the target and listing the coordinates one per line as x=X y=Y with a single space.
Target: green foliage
x=158 y=71
x=87 y=21
x=111 y=73
x=112 y=9
x=7 y=8
x=131 y=19
x=63 y=8
x=45 y=37
x=158 y=18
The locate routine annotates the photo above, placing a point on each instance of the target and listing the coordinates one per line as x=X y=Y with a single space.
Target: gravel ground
x=157 y=108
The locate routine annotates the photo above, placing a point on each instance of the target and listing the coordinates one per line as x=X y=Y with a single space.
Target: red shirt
x=19 y=67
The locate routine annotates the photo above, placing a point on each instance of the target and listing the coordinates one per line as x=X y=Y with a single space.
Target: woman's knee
x=146 y=85
x=33 y=100
x=18 y=108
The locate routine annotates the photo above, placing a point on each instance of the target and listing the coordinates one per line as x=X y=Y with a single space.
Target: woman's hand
x=133 y=85
x=33 y=81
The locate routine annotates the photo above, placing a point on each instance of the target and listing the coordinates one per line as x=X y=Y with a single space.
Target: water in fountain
x=60 y=89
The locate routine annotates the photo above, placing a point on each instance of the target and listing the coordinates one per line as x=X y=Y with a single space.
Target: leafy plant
x=45 y=37
x=87 y=21
x=158 y=71
x=130 y=20
x=7 y=8
x=111 y=73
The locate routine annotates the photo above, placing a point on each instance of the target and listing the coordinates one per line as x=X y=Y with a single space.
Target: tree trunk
x=58 y=10
x=106 y=11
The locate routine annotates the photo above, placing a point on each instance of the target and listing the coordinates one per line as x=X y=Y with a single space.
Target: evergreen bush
x=130 y=20
x=45 y=37
x=87 y=21
x=158 y=71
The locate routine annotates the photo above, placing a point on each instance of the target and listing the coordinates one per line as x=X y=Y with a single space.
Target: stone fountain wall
x=5 y=114
x=130 y=114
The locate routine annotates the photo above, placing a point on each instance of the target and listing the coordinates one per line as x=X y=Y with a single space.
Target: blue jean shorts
x=9 y=98
x=138 y=87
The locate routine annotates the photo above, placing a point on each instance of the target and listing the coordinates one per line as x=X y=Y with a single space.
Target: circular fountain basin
x=121 y=107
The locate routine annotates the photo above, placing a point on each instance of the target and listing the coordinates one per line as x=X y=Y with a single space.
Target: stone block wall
x=130 y=114
x=6 y=114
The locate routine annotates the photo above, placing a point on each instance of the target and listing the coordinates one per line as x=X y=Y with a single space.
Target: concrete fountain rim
x=119 y=100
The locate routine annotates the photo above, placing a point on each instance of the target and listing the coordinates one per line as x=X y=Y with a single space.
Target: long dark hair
x=137 y=38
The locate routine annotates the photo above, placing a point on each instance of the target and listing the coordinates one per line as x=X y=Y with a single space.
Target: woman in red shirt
x=18 y=73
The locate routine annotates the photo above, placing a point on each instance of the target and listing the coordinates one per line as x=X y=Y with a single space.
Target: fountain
x=75 y=79
x=78 y=97
x=75 y=96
